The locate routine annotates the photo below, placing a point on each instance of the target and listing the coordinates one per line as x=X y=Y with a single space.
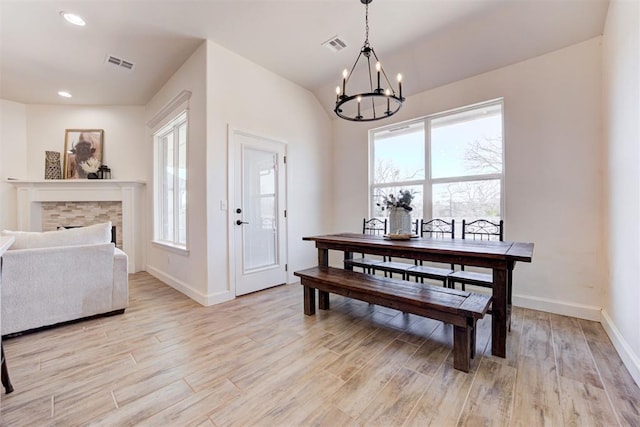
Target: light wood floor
x=259 y=361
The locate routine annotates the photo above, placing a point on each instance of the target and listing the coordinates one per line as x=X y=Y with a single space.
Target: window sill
x=173 y=248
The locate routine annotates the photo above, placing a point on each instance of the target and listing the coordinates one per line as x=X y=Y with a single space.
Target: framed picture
x=82 y=152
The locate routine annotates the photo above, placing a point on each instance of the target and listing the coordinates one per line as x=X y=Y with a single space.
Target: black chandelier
x=376 y=103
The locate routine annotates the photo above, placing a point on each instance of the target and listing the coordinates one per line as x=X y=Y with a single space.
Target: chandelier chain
x=366 y=24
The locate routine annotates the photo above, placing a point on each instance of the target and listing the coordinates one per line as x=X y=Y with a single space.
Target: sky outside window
x=466 y=147
x=400 y=156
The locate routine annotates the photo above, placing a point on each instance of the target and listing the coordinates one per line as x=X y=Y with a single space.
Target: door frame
x=231 y=247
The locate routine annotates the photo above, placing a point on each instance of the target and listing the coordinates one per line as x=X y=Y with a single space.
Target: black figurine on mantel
x=104 y=172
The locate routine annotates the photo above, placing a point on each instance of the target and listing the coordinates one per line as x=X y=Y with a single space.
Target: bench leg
x=309 y=300
x=323 y=300
x=461 y=348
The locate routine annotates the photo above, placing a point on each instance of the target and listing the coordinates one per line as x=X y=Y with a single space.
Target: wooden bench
x=459 y=308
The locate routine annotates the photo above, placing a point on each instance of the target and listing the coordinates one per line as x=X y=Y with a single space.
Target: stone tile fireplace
x=47 y=204
x=79 y=214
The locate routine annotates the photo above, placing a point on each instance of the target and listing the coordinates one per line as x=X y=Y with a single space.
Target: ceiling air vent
x=335 y=44
x=118 y=62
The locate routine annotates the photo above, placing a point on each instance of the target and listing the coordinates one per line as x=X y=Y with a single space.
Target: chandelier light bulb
x=345 y=73
x=378 y=66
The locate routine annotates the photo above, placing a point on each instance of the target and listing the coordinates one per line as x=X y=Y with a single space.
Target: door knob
x=240 y=222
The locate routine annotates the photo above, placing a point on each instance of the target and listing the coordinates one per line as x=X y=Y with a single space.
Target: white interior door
x=258 y=213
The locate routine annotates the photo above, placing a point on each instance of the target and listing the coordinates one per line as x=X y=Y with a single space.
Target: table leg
x=323 y=297
x=348 y=255
x=510 y=268
x=499 y=317
x=323 y=257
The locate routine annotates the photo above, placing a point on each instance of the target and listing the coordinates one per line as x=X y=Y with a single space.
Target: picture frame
x=81 y=145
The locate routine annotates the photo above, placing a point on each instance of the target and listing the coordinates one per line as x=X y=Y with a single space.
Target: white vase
x=399 y=221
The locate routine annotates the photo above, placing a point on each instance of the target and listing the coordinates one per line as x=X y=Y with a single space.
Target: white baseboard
x=199 y=297
x=558 y=307
x=629 y=358
x=219 y=297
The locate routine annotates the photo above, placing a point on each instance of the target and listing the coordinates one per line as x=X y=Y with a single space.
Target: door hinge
x=284 y=158
x=286 y=267
x=285 y=213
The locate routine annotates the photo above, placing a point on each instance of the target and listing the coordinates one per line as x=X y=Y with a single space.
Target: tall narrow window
x=453 y=162
x=171 y=182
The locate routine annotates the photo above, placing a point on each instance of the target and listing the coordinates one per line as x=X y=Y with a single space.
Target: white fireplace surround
x=31 y=194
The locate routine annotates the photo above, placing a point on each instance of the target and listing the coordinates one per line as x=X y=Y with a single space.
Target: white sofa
x=59 y=276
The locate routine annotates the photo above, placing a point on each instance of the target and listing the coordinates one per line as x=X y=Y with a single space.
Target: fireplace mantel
x=31 y=194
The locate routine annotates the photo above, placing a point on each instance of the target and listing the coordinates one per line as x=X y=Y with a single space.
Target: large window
x=171 y=182
x=453 y=162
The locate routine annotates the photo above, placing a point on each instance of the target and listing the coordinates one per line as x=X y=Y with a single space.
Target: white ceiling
x=432 y=42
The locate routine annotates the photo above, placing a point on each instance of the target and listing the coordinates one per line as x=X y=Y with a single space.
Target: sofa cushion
x=92 y=234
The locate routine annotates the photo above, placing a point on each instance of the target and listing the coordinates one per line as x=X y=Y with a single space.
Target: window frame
x=171 y=126
x=428 y=182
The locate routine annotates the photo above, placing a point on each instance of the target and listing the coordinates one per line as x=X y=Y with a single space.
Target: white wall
x=621 y=89
x=228 y=90
x=123 y=136
x=246 y=96
x=185 y=272
x=553 y=170
x=13 y=158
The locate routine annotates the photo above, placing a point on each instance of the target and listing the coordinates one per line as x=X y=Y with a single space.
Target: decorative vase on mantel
x=52 y=169
x=399 y=221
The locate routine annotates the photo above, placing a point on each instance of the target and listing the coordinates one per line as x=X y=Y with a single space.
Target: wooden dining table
x=500 y=257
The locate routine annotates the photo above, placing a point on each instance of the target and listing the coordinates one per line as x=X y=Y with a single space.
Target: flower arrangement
x=91 y=165
x=403 y=200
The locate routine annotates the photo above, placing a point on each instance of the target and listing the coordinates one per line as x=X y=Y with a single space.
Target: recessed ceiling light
x=64 y=94
x=73 y=18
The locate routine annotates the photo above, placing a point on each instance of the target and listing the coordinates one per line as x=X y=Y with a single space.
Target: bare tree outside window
x=468 y=199
x=485 y=154
x=473 y=199
x=389 y=171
